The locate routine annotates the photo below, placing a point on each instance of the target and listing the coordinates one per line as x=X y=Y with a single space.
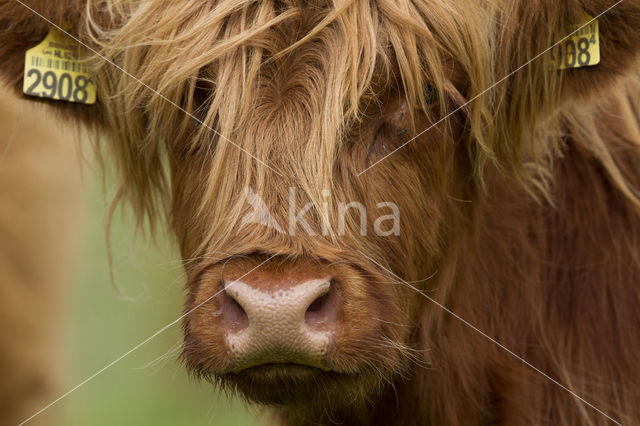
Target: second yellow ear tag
x=581 y=49
x=54 y=69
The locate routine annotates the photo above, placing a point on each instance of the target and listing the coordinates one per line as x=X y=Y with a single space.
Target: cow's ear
x=24 y=25
x=618 y=24
x=529 y=87
x=534 y=26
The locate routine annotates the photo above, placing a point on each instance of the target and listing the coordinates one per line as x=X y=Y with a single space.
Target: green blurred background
x=149 y=386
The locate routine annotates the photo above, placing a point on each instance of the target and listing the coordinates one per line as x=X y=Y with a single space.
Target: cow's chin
x=289 y=384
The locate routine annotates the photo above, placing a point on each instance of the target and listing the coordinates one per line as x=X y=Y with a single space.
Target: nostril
x=318 y=304
x=234 y=316
x=323 y=310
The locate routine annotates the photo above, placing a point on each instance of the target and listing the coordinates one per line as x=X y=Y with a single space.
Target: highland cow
x=509 y=294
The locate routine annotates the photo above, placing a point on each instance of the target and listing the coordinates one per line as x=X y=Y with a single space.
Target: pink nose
x=292 y=324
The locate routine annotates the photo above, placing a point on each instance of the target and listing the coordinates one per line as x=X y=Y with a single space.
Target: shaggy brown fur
x=521 y=206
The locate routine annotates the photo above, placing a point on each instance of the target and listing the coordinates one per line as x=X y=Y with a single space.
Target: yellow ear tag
x=581 y=49
x=54 y=69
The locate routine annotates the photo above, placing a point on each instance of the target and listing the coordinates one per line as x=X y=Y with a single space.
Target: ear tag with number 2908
x=54 y=69
x=581 y=49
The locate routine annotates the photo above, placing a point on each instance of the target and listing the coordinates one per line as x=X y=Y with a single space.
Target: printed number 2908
x=65 y=87
x=571 y=52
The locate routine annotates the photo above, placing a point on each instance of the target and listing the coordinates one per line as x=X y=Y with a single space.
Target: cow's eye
x=394 y=125
x=388 y=137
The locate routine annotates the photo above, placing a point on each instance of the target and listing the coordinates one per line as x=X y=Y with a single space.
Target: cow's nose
x=292 y=324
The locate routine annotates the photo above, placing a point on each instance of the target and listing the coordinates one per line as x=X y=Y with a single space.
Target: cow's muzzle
x=292 y=323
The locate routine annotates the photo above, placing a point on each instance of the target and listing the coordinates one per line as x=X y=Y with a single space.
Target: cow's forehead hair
x=285 y=80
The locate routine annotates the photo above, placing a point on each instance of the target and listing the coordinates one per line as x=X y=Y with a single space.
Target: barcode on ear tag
x=581 y=49
x=54 y=69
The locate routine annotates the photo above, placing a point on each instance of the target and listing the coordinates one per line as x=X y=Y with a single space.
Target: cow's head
x=293 y=181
